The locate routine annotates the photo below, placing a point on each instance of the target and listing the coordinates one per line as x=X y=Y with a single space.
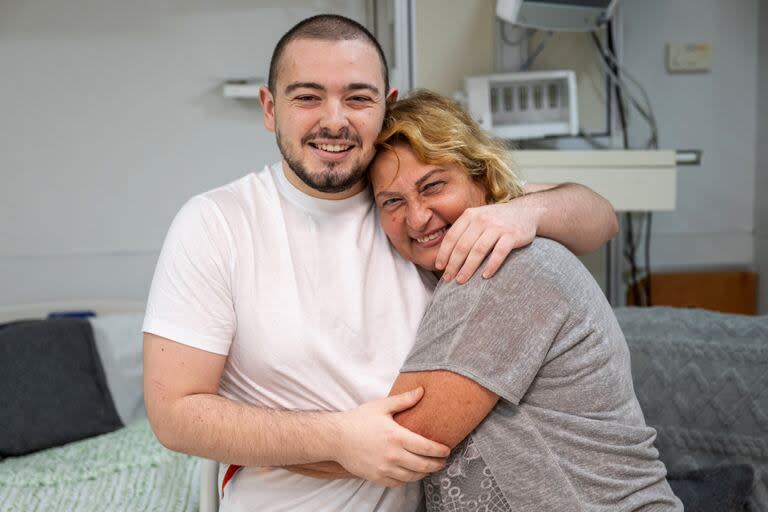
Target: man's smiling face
x=327 y=109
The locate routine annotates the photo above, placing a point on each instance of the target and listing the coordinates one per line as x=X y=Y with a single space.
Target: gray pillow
x=717 y=489
x=52 y=386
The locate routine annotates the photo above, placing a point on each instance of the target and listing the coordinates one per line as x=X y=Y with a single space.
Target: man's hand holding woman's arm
x=452 y=406
x=187 y=415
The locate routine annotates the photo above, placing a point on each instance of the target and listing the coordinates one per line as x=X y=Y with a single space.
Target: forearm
x=574 y=215
x=451 y=408
x=187 y=415
x=217 y=428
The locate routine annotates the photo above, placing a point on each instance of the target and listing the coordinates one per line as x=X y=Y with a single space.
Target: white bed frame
x=209 y=486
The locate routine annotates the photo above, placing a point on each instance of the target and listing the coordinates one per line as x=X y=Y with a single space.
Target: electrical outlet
x=689 y=57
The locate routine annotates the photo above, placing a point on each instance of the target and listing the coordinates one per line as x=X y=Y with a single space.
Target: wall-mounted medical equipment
x=525 y=105
x=565 y=15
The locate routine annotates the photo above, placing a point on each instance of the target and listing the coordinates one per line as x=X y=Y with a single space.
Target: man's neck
x=331 y=196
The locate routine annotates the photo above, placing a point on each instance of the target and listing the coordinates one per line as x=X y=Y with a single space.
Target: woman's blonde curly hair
x=440 y=132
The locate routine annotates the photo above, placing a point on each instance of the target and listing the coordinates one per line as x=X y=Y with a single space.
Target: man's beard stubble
x=329 y=180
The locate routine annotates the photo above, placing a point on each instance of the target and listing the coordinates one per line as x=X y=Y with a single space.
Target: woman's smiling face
x=418 y=202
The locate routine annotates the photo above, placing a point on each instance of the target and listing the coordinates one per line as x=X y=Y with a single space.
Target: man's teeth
x=333 y=148
x=430 y=237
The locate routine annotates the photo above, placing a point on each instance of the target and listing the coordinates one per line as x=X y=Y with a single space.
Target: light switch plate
x=689 y=57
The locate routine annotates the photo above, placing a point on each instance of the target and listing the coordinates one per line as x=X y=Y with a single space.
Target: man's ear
x=392 y=96
x=268 y=104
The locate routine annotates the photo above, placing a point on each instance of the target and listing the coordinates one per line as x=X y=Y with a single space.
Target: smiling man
x=279 y=315
x=325 y=130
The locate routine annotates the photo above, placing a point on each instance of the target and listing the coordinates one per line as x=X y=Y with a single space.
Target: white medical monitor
x=557 y=15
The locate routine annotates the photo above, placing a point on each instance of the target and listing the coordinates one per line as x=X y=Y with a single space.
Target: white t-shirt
x=312 y=306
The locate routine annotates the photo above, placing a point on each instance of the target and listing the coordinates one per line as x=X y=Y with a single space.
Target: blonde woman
x=526 y=375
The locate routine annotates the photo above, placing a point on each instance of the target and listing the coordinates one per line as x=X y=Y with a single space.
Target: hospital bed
x=122 y=470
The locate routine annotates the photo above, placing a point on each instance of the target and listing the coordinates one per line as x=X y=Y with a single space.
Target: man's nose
x=334 y=116
x=418 y=216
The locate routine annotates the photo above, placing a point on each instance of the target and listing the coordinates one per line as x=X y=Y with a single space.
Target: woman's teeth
x=427 y=238
x=333 y=148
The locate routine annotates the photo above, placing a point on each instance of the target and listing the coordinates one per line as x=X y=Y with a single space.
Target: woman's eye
x=389 y=202
x=433 y=186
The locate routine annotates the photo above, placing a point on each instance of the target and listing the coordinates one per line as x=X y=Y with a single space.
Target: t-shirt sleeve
x=190 y=300
x=495 y=331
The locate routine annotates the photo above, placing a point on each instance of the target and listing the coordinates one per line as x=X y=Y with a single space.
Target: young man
x=279 y=315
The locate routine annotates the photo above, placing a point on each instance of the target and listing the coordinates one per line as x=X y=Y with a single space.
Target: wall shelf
x=243 y=89
x=636 y=180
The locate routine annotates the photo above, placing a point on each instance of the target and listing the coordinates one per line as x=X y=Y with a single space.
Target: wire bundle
x=637 y=225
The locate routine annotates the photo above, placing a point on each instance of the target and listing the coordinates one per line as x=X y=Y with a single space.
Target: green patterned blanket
x=126 y=470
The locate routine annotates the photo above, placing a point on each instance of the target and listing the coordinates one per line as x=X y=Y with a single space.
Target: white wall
x=111 y=116
x=713 y=224
x=456 y=43
x=761 y=187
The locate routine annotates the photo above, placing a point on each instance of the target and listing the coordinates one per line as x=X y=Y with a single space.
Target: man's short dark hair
x=325 y=27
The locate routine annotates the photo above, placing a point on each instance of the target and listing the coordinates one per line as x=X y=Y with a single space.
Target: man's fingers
x=420 y=445
x=477 y=254
x=501 y=250
x=449 y=241
x=375 y=445
x=421 y=464
x=461 y=251
x=405 y=475
x=403 y=401
x=389 y=482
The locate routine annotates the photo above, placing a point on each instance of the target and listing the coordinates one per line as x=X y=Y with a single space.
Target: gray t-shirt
x=568 y=433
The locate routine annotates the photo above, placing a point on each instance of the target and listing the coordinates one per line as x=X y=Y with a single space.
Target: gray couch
x=702 y=380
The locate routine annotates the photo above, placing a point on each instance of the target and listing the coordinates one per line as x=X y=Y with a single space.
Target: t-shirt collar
x=329 y=206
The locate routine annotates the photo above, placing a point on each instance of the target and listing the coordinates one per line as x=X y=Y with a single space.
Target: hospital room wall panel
x=713 y=224
x=112 y=117
x=72 y=276
x=453 y=44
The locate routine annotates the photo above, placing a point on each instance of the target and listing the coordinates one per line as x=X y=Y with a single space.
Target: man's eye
x=306 y=97
x=360 y=99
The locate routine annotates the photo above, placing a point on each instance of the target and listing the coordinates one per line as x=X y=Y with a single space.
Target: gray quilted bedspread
x=123 y=471
x=702 y=380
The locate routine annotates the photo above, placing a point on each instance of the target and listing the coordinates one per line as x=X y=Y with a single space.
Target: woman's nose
x=418 y=216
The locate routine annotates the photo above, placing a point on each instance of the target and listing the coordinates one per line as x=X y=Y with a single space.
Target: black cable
x=648 y=300
x=639 y=236
x=505 y=37
x=629 y=255
x=617 y=87
x=631 y=241
x=540 y=48
x=647 y=216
